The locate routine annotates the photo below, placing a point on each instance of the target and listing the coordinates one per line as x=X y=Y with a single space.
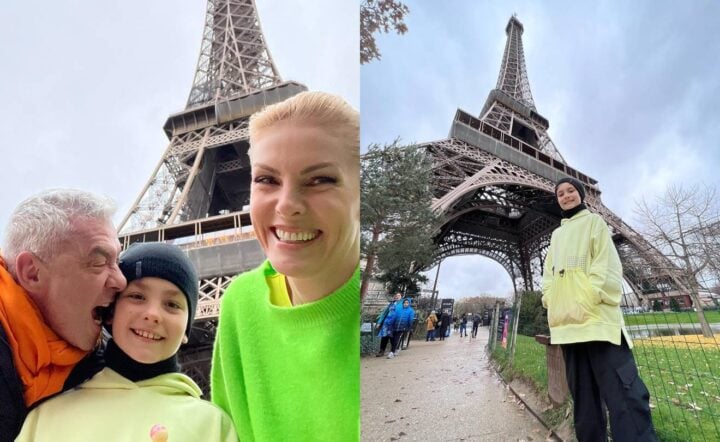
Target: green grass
x=670 y=318
x=529 y=364
x=684 y=385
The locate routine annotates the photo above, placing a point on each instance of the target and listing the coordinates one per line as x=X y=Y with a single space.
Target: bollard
x=557 y=381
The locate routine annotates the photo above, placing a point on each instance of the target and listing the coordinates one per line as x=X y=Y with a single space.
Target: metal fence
x=677 y=356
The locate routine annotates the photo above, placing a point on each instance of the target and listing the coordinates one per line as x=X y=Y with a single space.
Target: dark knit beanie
x=575 y=183
x=164 y=261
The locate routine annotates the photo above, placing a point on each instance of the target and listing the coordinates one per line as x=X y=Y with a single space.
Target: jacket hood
x=169 y=383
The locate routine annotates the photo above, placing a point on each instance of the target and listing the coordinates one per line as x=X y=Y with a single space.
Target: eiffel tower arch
x=197 y=196
x=493 y=181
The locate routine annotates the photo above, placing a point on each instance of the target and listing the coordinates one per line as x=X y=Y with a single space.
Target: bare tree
x=677 y=224
x=379 y=16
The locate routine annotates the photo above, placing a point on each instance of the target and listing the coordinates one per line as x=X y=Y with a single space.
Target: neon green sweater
x=582 y=282
x=288 y=373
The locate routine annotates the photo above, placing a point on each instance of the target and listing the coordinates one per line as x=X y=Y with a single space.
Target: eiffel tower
x=493 y=180
x=198 y=194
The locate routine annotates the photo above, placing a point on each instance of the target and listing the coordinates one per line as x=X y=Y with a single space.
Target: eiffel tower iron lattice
x=198 y=194
x=493 y=181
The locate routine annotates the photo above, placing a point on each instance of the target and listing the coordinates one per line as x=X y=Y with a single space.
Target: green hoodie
x=582 y=283
x=111 y=408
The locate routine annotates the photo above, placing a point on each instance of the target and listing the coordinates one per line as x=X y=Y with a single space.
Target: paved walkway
x=441 y=391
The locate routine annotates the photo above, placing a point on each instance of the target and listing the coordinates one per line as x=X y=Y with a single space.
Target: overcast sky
x=631 y=90
x=85 y=87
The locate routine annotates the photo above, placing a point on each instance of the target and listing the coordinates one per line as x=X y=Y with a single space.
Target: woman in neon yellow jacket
x=582 y=290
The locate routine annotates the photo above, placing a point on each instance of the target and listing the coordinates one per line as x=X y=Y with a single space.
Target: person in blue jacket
x=386 y=324
x=403 y=323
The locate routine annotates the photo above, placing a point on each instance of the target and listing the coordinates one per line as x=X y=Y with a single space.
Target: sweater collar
x=578 y=215
x=340 y=303
x=571 y=212
x=133 y=370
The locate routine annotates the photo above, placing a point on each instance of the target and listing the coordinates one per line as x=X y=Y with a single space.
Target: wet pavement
x=442 y=391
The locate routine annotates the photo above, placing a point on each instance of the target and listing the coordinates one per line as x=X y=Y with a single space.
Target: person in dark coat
x=444 y=324
x=476 y=323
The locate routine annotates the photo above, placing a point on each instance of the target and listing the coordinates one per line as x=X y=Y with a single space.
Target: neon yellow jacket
x=582 y=283
x=111 y=408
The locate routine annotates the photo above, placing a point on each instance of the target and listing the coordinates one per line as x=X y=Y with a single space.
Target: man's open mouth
x=101 y=313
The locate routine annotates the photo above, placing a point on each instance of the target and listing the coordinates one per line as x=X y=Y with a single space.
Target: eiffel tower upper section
x=510 y=106
x=204 y=171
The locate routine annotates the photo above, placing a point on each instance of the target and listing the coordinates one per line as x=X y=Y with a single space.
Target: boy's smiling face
x=150 y=318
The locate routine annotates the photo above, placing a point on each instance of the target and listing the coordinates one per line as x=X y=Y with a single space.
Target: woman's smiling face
x=305 y=200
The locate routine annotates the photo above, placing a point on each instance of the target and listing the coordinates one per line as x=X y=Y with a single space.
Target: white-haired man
x=58 y=271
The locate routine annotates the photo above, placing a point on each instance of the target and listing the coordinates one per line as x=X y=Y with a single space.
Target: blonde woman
x=286 y=364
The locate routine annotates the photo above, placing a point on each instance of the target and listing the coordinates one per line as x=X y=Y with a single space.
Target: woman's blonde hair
x=320 y=109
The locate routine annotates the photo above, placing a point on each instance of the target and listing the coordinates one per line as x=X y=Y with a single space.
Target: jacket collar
x=578 y=215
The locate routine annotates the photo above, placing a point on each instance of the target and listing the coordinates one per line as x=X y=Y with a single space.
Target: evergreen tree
x=396 y=220
x=657 y=306
x=674 y=306
x=533 y=316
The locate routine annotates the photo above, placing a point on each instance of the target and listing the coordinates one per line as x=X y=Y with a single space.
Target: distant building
x=707 y=298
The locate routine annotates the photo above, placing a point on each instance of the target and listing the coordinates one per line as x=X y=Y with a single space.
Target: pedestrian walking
x=444 y=323
x=582 y=289
x=386 y=323
x=463 y=326
x=431 y=323
x=403 y=322
x=476 y=323
x=407 y=336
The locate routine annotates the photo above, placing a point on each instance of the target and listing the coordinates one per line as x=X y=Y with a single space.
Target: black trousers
x=383 y=343
x=600 y=372
x=475 y=330
x=406 y=337
x=397 y=340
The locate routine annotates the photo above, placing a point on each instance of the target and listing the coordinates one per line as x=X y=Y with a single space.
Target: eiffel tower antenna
x=197 y=196
x=513 y=78
x=494 y=180
x=510 y=106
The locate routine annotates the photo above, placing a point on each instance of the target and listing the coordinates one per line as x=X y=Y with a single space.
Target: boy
x=141 y=385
